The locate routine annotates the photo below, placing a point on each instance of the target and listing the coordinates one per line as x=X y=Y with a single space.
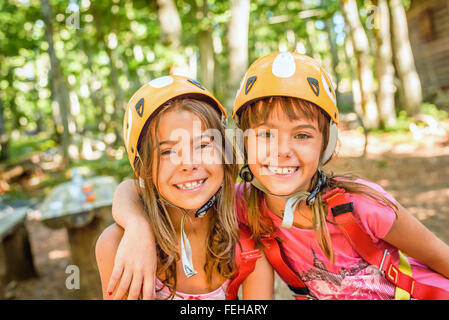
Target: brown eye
x=167 y=152
x=302 y=136
x=265 y=134
x=204 y=146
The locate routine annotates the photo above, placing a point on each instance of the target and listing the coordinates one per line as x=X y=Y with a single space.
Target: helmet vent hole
x=250 y=83
x=315 y=85
x=139 y=107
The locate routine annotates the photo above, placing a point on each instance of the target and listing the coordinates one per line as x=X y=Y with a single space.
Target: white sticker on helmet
x=327 y=89
x=284 y=65
x=129 y=122
x=241 y=84
x=161 y=82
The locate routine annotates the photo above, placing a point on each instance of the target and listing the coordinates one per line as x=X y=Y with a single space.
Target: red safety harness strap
x=341 y=206
x=291 y=278
x=246 y=256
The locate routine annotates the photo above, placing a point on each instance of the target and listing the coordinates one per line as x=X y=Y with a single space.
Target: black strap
x=343 y=208
x=301 y=291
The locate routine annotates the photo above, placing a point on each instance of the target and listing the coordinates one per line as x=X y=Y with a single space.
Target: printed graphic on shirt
x=360 y=281
x=320 y=272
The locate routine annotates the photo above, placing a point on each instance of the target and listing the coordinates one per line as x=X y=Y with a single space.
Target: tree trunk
x=384 y=64
x=119 y=100
x=356 y=94
x=207 y=59
x=171 y=36
x=411 y=90
x=238 y=47
x=4 y=154
x=361 y=52
x=170 y=23
x=96 y=94
x=334 y=51
x=59 y=89
x=310 y=28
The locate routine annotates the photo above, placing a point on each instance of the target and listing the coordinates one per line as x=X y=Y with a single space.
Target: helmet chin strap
x=296 y=197
x=293 y=199
x=186 y=249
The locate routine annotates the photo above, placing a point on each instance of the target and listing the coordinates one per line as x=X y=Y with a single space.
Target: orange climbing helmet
x=150 y=97
x=290 y=74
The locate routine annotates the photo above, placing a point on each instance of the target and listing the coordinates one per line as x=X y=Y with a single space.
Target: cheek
x=310 y=157
x=216 y=172
x=162 y=173
x=261 y=151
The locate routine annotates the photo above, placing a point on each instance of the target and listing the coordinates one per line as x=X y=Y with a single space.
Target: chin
x=283 y=191
x=191 y=201
x=282 y=188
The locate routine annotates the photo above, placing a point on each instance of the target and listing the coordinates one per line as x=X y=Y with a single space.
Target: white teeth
x=277 y=170
x=190 y=185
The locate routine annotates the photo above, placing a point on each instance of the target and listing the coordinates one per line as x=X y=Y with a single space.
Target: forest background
x=68 y=68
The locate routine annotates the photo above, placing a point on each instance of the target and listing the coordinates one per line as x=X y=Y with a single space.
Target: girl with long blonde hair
x=176 y=144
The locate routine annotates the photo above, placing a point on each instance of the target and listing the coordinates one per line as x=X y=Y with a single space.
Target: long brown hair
x=295 y=108
x=223 y=231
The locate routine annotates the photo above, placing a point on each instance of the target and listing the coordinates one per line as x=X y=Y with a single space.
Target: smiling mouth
x=191 y=185
x=282 y=170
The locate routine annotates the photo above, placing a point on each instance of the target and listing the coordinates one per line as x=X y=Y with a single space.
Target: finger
x=125 y=281
x=136 y=286
x=115 y=277
x=148 y=290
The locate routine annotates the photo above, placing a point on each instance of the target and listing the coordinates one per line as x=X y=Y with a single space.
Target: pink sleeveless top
x=163 y=293
x=350 y=277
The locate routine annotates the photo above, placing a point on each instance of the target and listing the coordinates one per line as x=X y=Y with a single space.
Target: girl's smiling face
x=291 y=151
x=183 y=177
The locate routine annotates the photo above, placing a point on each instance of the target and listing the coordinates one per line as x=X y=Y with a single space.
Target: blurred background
x=68 y=68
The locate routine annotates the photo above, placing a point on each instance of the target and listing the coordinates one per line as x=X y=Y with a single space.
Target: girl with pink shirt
x=287 y=109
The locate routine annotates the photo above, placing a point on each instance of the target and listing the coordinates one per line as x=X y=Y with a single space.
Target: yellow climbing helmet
x=290 y=74
x=150 y=97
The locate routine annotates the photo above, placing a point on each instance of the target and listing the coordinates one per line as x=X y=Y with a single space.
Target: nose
x=284 y=147
x=188 y=160
x=188 y=166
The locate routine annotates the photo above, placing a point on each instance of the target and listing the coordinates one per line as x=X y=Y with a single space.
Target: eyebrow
x=301 y=126
x=175 y=142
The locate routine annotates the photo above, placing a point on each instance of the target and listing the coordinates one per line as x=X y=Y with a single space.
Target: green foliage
x=26 y=145
x=404 y=120
x=432 y=110
x=117 y=47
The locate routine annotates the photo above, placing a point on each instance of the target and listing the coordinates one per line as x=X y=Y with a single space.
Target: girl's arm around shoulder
x=411 y=237
x=127 y=206
x=259 y=284
x=105 y=251
x=134 y=269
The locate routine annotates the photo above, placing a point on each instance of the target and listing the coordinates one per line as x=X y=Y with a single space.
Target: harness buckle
x=386 y=252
